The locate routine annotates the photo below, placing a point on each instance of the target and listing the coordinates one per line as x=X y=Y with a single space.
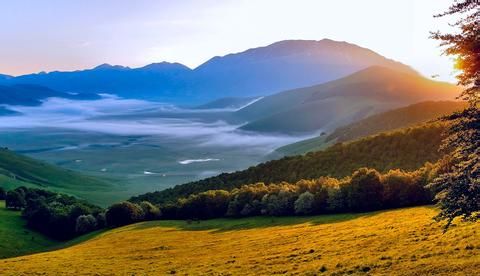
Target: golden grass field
x=397 y=242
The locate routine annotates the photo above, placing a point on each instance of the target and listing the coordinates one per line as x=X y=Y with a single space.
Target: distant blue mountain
x=256 y=72
x=31 y=95
x=5 y=77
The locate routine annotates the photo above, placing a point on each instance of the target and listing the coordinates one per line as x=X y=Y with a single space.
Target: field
x=397 y=242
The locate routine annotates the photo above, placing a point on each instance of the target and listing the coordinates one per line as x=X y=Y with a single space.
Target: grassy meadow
x=395 y=242
x=16 y=239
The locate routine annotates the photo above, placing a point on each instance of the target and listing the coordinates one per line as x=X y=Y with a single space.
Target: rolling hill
x=18 y=170
x=386 y=121
x=397 y=242
x=406 y=149
x=327 y=106
x=255 y=72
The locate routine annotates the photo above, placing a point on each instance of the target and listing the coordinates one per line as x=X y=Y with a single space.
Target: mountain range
x=260 y=71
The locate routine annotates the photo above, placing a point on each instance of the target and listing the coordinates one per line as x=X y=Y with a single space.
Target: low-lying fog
x=146 y=144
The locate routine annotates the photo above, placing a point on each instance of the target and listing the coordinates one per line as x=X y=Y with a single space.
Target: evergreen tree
x=459 y=186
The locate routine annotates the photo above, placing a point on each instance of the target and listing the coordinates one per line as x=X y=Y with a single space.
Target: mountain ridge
x=254 y=72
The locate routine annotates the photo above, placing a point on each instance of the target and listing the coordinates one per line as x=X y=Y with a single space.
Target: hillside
x=386 y=121
x=15 y=238
x=398 y=242
x=18 y=170
x=27 y=94
x=255 y=72
x=406 y=149
x=326 y=106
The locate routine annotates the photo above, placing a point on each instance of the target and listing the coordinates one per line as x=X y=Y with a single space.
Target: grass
x=16 y=239
x=397 y=242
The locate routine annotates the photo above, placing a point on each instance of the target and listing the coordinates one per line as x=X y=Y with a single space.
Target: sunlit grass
x=398 y=242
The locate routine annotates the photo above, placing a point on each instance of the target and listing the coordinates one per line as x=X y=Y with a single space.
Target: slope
x=327 y=106
x=398 y=242
x=18 y=170
x=386 y=121
x=406 y=149
x=16 y=239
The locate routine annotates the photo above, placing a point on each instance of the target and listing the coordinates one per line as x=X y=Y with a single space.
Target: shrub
x=3 y=193
x=123 y=213
x=15 y=200
x=304 y=204
x=101 y=220
x=150 y=211
x=85 y=224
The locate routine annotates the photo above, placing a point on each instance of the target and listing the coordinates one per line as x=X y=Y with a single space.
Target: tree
x=85 y=224
x=15 y=200
x=365 y=192
x=304 y=203
x=459 y=187
x=151 y=212
x=123 y=213
x=3 y=193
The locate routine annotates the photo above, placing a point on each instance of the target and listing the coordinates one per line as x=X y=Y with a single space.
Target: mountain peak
x=164 y=65
x=106 y=66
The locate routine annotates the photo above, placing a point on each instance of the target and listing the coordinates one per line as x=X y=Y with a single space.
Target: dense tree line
x=365 y=190
x=63 y=217
x=406 y=149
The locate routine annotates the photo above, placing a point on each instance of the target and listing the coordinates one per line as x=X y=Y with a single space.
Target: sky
x=49 y=35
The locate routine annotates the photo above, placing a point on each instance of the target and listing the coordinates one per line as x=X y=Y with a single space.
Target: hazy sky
x=47 y=35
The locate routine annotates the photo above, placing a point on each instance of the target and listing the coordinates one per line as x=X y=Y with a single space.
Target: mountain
x=326 y=106
x=30 y=95
x=386 y=121
x=286 y=65
x=255 y=72
x=5 y=77
x=406 y=149
x=159 y=80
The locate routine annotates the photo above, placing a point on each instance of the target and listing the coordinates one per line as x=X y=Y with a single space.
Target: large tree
x=459 y=184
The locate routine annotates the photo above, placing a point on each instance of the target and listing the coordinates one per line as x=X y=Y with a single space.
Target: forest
x=405 y=149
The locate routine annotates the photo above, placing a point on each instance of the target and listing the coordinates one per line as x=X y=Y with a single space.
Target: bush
x=15 y=200
x=3 y=193
x=304 y=204
x=101 y=220
x=123 y=213
x=85 y=224
x=150 y=211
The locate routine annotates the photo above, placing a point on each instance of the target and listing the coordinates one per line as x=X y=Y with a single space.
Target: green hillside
x=18 y=170
x=406 y=149
x=386 y=121
x=340 y=102
x=15 y=238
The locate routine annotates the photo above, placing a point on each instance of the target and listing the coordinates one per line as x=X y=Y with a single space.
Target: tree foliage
x=365 y=190
x=55 y=215
x=124 y=213
x=459 y=186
